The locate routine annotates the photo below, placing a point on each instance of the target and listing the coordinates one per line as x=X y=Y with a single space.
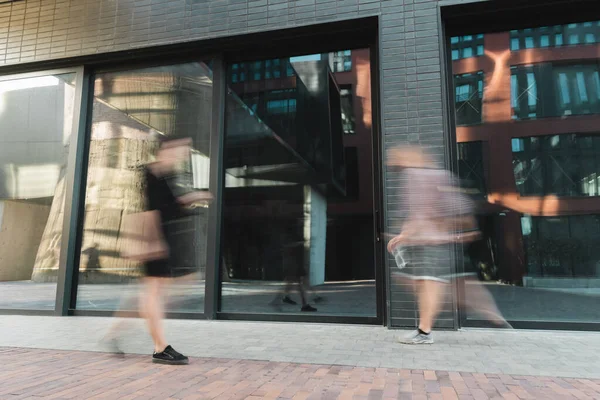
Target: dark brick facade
x=410 y=67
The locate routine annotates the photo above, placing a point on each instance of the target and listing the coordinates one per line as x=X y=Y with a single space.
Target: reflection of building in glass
x=317 y=134
x=527 y=115
x=34 y=144
x=130 y=110
x=467 y=46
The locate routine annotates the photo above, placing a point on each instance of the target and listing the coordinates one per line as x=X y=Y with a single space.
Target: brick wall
x=36 y=30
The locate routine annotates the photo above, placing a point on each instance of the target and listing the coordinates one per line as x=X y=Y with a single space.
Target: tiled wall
x=35 y=30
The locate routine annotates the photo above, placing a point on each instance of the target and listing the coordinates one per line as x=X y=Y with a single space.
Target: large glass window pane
x=539 y=216
x=132 y=111
x=297 y=213
x=36 y=120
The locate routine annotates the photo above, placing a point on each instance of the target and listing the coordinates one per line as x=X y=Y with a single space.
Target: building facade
x=291 y=107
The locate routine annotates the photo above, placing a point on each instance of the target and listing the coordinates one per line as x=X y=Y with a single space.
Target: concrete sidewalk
x=513 y=352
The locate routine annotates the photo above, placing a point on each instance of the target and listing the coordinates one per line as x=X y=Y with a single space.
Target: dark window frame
x=471 y=162
x=542 y=155
x=472 y=106
x=548 y=96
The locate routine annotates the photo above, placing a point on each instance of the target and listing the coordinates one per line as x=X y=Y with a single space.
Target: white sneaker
x=417 y=337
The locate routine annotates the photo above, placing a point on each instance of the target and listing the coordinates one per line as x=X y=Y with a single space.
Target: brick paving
x=52 y=374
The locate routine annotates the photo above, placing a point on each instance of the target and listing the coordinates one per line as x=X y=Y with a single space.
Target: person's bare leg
x=152 y=310
x=301 y=289
x=429 y=297
x=129 y=303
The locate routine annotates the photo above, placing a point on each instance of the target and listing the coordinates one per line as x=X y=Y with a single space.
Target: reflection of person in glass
x=439 y=216
x=93 y=255
x=167 y=206
x=293 y=264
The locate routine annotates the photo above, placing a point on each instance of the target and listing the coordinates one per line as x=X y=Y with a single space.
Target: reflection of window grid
x=561 y=165
x=578 y=89
x=342 y=61
x=261 y=70
x=524 y=97
x=470 y=166
x=347 y=109
x=466 y=46
x=468 y=89
x=553 y=36
x=562 y=246
x=281 y=106
x=547 y=90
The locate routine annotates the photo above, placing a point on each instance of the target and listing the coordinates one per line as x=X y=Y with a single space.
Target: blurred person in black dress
x=165 y=206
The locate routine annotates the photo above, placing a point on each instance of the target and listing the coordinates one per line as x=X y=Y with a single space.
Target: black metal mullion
x=216 y=182
x=75 y=182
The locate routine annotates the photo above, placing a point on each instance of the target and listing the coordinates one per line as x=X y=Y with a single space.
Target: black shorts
x=294 y=262
x=158 y=268
x=181 y=260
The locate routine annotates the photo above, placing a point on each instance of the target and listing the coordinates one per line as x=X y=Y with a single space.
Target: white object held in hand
x=399 y=253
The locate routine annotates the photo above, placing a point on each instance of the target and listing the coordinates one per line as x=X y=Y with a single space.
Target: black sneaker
x=287 y=300
x=308 y=308
x=169 y=356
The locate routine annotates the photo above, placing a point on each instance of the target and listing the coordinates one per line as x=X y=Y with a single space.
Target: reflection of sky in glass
x=559 y=39
x=517 y=145
x=583 y=97
x=531 y=90
x=526 y=225
x=514 y=94
x=565 y=98
x=529 y=43
x=590 y=38
x=462 y=93
x=514 y=44
x=574 y=39
x=311 y=57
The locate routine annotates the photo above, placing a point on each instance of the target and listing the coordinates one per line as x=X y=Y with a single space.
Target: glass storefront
x=297 y=205
x=527 y=127
x=132 y=110
x=298 y=201
x=36 y=121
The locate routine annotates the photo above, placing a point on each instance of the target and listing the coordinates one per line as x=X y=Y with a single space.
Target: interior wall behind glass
x=298 y=211
x=36 y=119
x=528 y=132
x=132 y=111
